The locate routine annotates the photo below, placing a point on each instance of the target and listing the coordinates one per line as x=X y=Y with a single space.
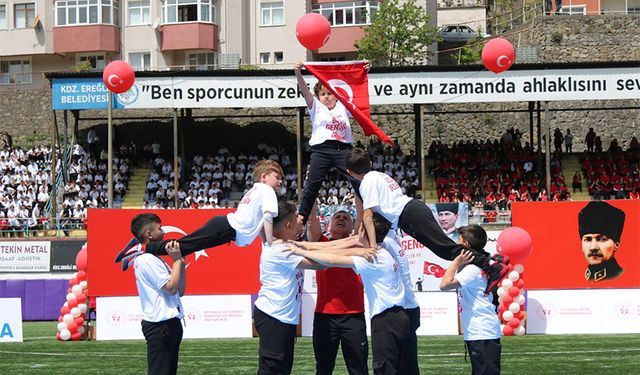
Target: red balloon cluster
x=313 y=30
x=515 y=243
x=498 y=55
x=71 y=323
x=118 y=76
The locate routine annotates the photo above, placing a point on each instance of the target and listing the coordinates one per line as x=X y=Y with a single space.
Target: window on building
x=16 y=71
x=96 y=61
x=188 y=11
x=201 y=61
x=265 y=58
x=24 y=14
x=3 y=16
x=335 y=58
x=139 y=12
x=82 y=12
x=140 y=60
x=278 y=57
x=272 y=14
x=349 y=13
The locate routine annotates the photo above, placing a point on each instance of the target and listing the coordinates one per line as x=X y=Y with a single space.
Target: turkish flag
x=348 y=82
x=434 y=269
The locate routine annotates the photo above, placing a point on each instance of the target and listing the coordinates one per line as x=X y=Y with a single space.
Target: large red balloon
x=81 y=259
x=313 y=30
x=82 y=276
x=118 y=76
x=498 y=55
x=516 y=243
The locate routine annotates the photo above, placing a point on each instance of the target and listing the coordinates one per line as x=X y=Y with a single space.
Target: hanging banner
x=278 y=89
x=10 y=320
x=63 y=255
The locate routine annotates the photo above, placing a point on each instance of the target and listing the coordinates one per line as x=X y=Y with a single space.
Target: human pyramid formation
x=373 y=253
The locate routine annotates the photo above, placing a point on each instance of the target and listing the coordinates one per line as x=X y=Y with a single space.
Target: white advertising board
x=219 y=316
x=10 y=320
x=583 y=311
x=25 y=256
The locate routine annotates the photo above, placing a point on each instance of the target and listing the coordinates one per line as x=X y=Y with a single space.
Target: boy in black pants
x=382 y=194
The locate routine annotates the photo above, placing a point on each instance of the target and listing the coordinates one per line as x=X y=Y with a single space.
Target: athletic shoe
x=498 y=269
x=131 y=251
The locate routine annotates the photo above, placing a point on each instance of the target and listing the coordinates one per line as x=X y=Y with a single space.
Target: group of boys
x=375 y=256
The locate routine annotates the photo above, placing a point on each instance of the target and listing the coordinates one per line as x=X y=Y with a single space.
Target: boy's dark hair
x=140 y=224
x=475 y=235
x=286 y=210
x=317 y=87
x=382 y=225
x=358 y=161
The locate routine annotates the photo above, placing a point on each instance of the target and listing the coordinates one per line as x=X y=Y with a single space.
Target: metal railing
x=42 y=227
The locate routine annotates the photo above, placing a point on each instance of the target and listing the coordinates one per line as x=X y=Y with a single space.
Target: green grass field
x=40 y=353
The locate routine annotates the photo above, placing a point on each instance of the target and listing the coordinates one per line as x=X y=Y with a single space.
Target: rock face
x=27 y=115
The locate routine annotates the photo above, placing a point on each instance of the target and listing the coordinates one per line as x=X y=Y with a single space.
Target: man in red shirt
x=339 y=316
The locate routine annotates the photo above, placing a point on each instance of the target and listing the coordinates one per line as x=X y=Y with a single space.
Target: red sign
x=226 y=269
x=557 y=260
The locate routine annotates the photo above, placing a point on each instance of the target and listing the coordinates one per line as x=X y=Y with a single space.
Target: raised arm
x=314 y=231
x=369 y=227
x=302 y=85
x=177 y=278
x=449 y=280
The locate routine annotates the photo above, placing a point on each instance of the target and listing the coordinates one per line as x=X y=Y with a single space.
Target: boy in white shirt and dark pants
x=160 y=288
x=480 y=322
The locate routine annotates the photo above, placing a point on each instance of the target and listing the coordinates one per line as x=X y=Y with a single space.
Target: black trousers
x=325 y=156
x=277 y=341
x=163 y=344
x=347 y=330
x=485 y=356
x=214 y=232
x=410 y=353
x=417 y=221
x=389 y=332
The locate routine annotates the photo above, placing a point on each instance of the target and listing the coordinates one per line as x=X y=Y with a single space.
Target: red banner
x=559 y=258
x=349 y=83
x=226 y=269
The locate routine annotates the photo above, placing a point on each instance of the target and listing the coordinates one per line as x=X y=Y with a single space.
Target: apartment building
x=44 y=35
x=598 y=7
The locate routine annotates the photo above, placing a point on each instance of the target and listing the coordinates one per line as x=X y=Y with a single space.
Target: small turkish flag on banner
x=433 y=269
x=348 y=82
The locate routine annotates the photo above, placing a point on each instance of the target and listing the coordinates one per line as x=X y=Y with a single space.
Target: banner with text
x=608 y=256
x=63 y=255
x=583 y=311
x=25 y=256
x=226 y=269
x=118 y=318
x=384 y=88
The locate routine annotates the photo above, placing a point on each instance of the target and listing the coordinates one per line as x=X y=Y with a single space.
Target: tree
x=399 y=34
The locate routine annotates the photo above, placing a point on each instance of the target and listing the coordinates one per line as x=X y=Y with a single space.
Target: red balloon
x=519 y=315
x=514 y=291
x=519 y=283
x=72 y=303
x=79 y=321
x=514 y=323
x=60 y=318
x=65 y=310
x=118 y=76
x=515 y=243
x=58 y=336
x=76 y=336
x=507 y=331
x=72 y=327
x=73 y=281
x=82 y=276
x=313 y=30
x=507 y=300
x=498 y=55
x=81 y=298
x=81 y=258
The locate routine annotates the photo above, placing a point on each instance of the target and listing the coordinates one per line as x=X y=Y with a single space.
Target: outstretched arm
x=302 y=85
x=449 y=280
x=325 y=259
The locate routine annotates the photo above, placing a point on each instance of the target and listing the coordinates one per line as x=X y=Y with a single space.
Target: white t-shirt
x=280 y=295
x=392 y=245
x=383 y=195
x=381 y=281
x=477 y=312
x=152 y=273
x=329 y=124
x=249 y=217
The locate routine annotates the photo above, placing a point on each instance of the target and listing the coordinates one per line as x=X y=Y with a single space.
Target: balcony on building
x=86 y=26
x=188 y=25
x=348 y=21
